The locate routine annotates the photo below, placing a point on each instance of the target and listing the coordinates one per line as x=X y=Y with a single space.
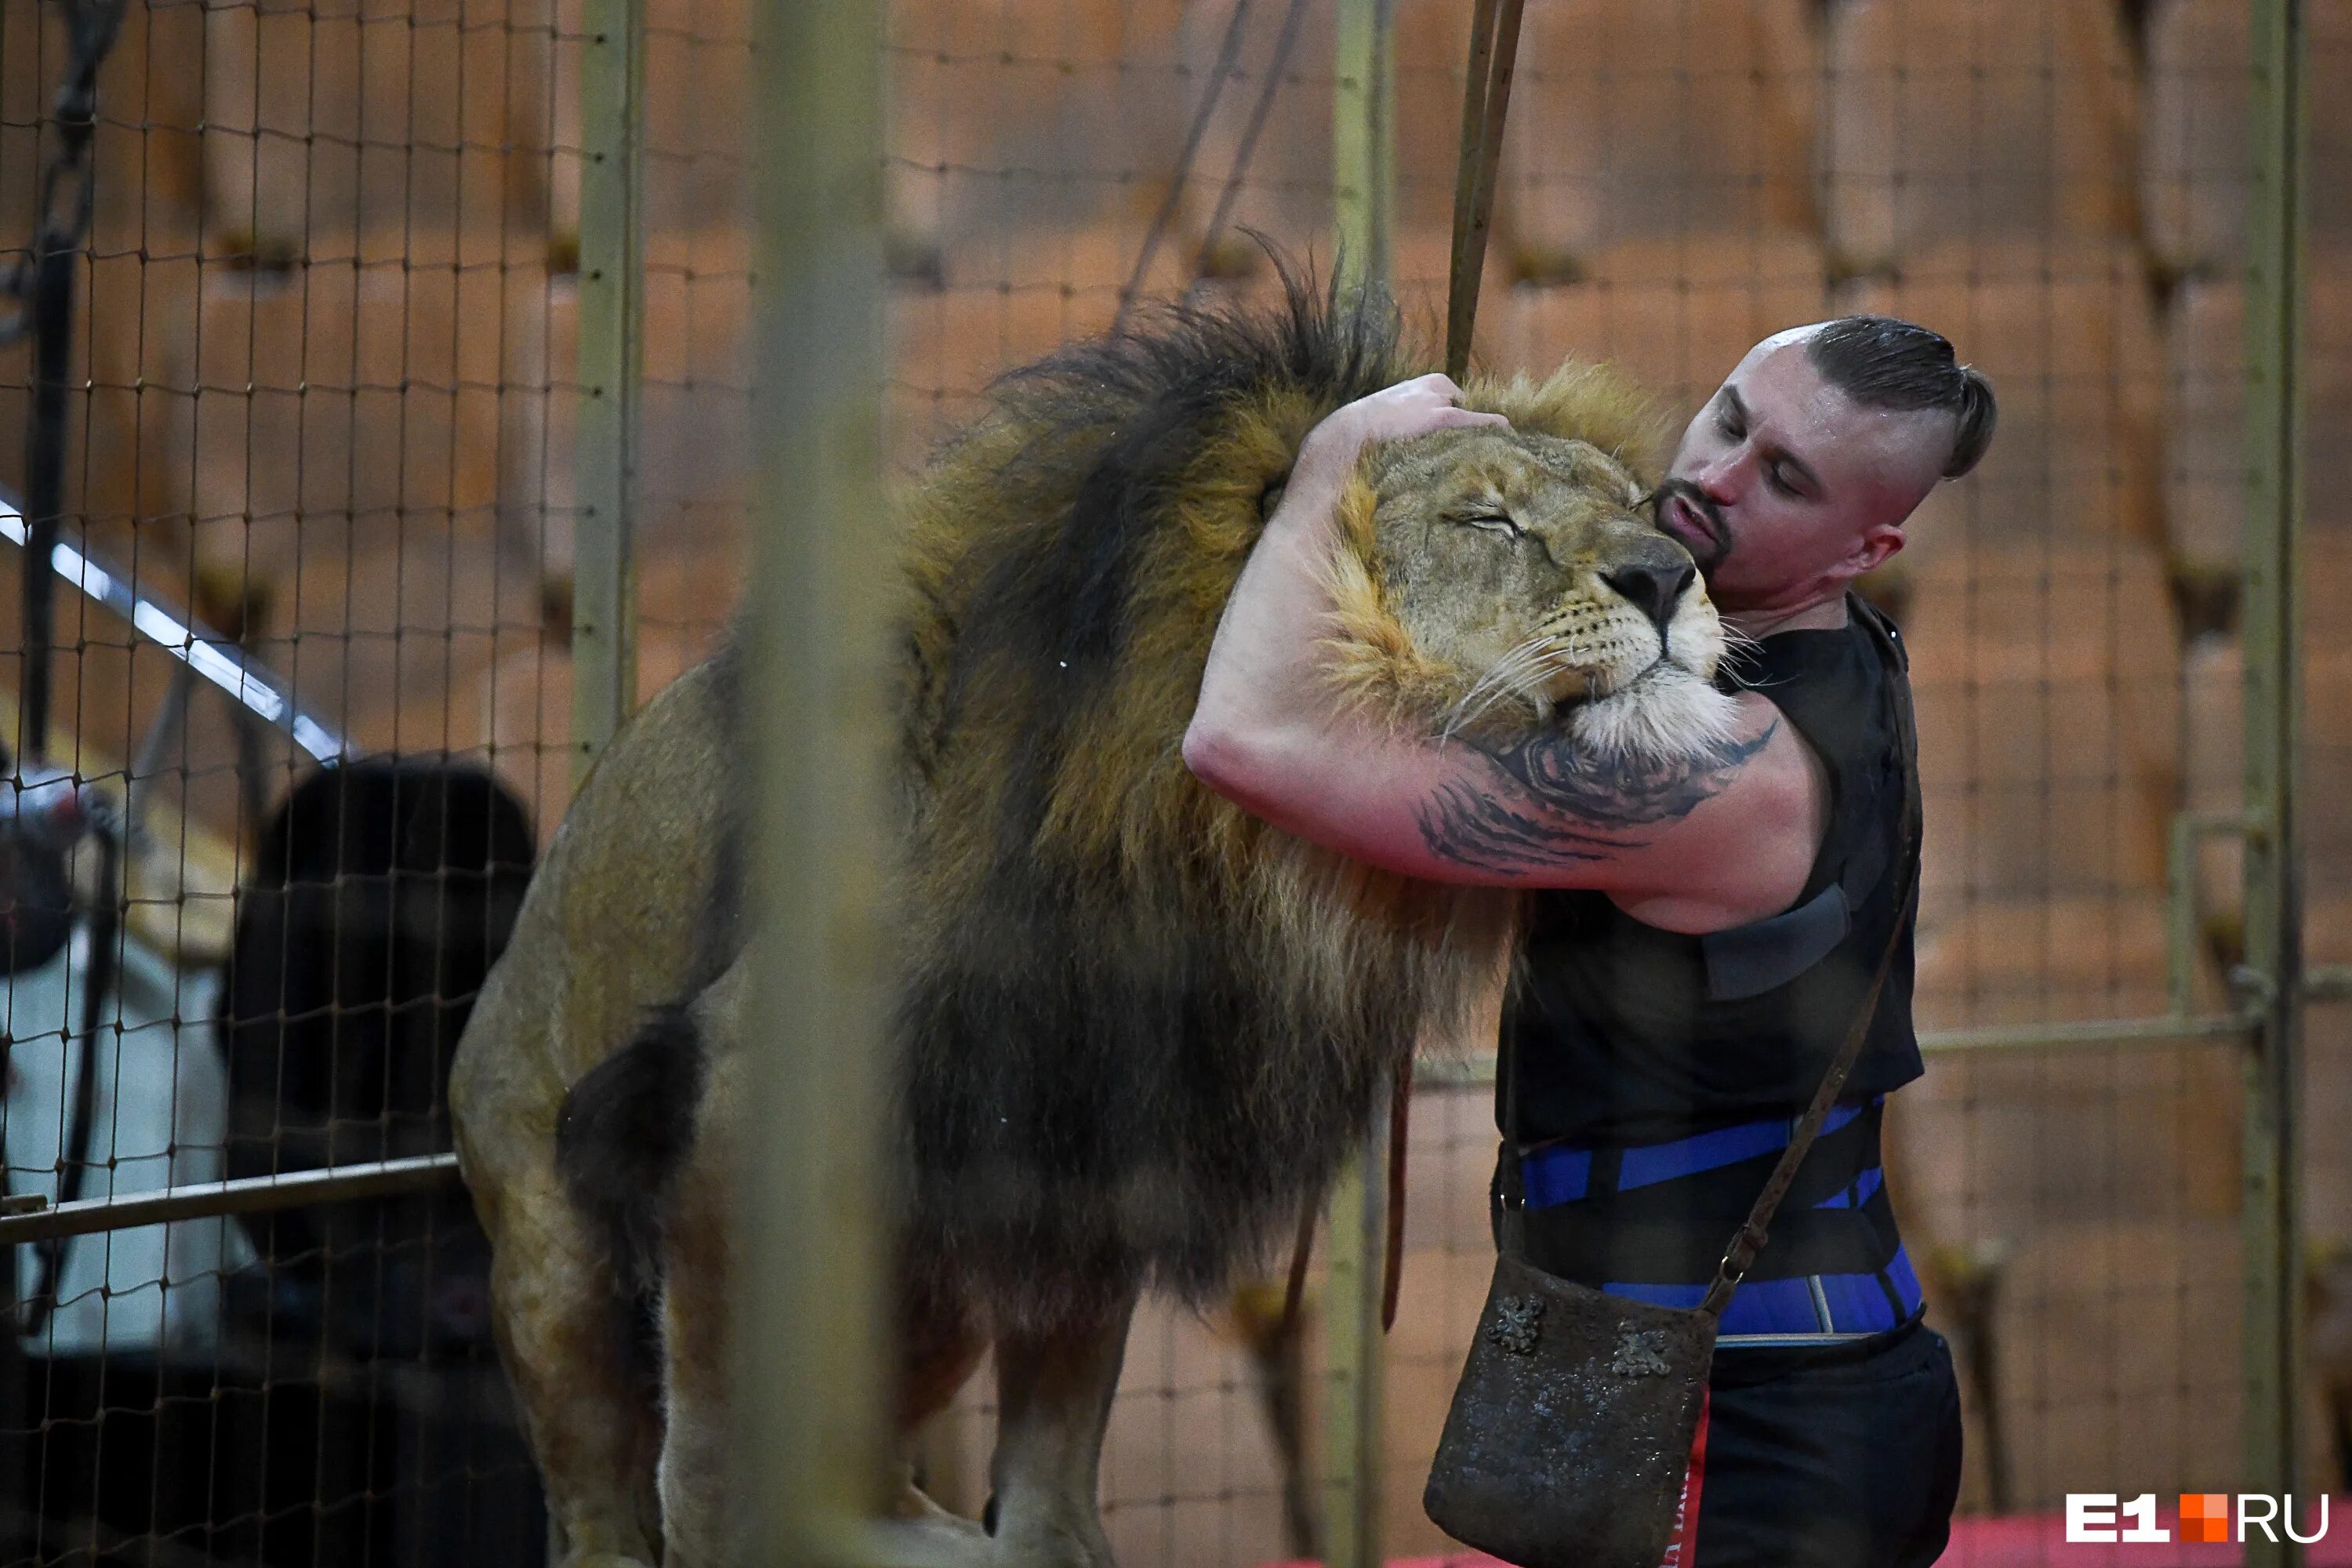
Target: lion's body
x=1140 y=1029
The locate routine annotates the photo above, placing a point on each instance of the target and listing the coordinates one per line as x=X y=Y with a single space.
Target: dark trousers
x=1838 y=1457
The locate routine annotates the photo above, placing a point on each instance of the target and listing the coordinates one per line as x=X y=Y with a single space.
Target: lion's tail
x=622 y=1136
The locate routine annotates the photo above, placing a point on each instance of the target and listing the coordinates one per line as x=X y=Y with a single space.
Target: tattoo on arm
x=1549 y=803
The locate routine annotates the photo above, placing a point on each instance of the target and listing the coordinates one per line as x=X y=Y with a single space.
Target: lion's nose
x=1652 y=588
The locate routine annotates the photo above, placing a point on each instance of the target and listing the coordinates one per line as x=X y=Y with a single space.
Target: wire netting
x=302 y=478
x=319 y=417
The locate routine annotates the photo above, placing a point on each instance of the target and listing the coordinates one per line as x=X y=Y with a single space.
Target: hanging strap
x=1750 y=1237
x=1294 y=1294
x=1399 y=1123
x=1493 y=49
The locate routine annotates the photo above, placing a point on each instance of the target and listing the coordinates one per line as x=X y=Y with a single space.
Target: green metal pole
x=611 y=363
x=1363 y=138
x=811 y=1308
x=2274 y=699
x=1363 y=159
x=1356 y=1431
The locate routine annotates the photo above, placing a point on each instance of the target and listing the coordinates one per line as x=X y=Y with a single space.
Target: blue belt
x=1803 y=1308
x=1806 y=1310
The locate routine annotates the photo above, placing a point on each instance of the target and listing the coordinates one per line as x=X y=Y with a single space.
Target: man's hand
x=1398 y=413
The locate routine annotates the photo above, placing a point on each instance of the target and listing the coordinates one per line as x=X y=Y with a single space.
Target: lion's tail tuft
x=623 y=1134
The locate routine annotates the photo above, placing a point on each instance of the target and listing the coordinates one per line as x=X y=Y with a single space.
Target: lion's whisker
x=1539 y=655
x=1491 y=689
x=1498 y=677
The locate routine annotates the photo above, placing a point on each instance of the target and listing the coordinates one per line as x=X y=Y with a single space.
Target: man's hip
x=1845 y=1455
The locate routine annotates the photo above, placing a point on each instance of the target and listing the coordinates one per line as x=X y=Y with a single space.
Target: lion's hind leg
x=572 y=1221
x=696 y=1463
x=591 y=1416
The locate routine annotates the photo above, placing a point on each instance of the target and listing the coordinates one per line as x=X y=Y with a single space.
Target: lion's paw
x=1062 y=1544
x=933 y=1540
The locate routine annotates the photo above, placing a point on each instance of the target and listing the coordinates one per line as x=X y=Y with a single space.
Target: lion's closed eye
x=1493 y=523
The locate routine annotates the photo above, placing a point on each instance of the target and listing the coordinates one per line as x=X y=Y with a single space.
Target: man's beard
x=1710 y=555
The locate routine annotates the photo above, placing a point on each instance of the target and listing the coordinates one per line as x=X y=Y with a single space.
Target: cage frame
x=837 y=128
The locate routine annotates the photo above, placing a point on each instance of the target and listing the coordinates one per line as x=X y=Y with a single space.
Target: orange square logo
x=2205 y=1516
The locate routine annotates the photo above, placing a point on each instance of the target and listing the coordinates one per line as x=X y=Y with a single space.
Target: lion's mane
x=1141 y=1027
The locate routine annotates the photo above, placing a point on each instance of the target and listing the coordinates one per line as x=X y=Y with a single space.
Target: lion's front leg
x=1054 y=1395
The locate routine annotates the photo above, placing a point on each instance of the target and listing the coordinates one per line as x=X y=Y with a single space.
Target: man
x=1703 y=942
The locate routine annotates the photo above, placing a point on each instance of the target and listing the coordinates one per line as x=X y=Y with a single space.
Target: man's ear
x=1877 y=542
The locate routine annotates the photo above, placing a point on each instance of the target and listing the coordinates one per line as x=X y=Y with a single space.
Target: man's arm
x=1724 y=839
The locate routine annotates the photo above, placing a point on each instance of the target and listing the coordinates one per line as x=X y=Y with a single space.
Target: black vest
x=1620 y=1033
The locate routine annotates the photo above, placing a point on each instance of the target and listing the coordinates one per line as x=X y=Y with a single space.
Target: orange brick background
x=325 y=345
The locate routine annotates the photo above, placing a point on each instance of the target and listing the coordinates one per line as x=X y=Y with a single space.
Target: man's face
x=1784 y=489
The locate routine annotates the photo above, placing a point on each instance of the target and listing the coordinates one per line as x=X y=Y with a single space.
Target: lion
x=1138 y=1029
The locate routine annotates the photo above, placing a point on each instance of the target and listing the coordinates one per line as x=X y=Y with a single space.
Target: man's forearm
x=1549 y=803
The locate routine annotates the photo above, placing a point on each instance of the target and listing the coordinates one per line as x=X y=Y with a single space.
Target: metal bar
x=178 y=633
x=1477 y=1069
x=2090 y=1032
x=612 y=318
x=813 y=1240
x=1354 y=1416
x=246 y=1194
x=1363 y=173
x=2271 y=1220
x=2327 y=981
x=1363 y=138
x=48 y=305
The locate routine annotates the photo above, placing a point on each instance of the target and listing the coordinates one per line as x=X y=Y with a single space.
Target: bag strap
x=1749 y=1238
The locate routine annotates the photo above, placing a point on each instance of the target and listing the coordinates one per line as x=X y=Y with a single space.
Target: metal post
x=2274 y=701
x=1363 y=137
x=48 y=305
x=810 y=1291
x=1363 y=160
x=611 y=317
x=1355 y=1431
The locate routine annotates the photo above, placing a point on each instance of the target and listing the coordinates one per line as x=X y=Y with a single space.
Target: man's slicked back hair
x=1883 y=362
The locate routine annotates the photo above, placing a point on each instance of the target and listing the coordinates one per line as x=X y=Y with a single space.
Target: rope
x=1283 y=44
x=90 y=29
x=1494 y=51
x=1228 y=53
x=1393 y=1257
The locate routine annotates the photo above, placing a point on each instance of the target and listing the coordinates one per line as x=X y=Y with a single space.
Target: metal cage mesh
x=322 y=407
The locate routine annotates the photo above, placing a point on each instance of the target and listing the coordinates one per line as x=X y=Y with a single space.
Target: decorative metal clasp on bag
x=1513 y=1332
x=1641 y=1353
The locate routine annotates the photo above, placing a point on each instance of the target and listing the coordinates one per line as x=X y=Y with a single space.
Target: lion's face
x=1527 y=563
